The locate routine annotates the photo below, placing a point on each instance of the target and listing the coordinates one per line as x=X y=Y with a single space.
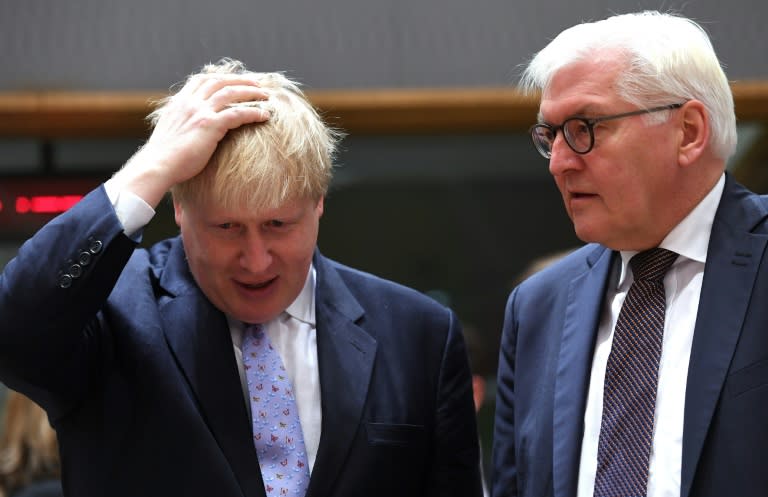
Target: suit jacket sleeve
x=50 y=294
x=457 y=466
x=504 y=462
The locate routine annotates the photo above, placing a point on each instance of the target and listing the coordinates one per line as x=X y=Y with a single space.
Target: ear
x=178 y=212
x=694 y=128
x=320 y=206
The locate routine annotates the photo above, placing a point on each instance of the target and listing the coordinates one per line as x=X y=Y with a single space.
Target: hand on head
x=188 y=128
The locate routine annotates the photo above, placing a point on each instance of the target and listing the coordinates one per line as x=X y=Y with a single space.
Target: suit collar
x=346 y=353
x=170 y=268
x=303 y=307
x=582 y=314
x=197 y=334
x=332 y=292
x=691 y=236
x=199 y=338
x=734 y=254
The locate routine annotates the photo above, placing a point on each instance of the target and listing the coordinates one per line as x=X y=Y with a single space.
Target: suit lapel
x=199 y=337
x=346 y=354
x=582 y=314
x=733 y=258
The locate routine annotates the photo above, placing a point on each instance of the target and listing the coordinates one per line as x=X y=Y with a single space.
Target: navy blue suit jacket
x=136 y=370
x=546 y=356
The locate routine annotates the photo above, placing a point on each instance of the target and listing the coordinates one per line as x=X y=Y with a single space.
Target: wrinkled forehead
x=602 y=67
x=583 y=87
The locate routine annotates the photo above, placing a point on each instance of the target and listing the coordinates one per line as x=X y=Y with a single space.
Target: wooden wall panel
x=458 y=110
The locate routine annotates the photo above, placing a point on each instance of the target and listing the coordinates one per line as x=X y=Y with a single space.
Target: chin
x=586 y=235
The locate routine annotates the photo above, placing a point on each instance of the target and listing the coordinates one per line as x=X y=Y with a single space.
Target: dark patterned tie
x=629 y=395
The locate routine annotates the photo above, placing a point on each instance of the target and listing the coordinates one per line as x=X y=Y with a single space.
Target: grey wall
x=149 y=44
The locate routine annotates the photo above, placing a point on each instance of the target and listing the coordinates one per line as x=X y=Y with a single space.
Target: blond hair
x=29 y=450
x=263 y=165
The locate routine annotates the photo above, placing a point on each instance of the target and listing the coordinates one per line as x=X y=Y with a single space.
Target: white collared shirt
x=293 y=335
x=682 y=284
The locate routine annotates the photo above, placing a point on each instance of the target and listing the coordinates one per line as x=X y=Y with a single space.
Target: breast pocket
x=395 y=435
x=748 y=378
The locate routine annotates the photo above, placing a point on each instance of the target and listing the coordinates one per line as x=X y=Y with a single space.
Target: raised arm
x=51 y=340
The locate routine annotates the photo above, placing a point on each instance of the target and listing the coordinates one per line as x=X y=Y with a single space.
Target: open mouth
x=577 y=195
x=257 y=286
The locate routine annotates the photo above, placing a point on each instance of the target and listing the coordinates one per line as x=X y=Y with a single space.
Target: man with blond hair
x=234 y=359
x=636 y=365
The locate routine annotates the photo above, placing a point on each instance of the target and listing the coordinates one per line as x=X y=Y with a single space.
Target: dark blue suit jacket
x=546 y=356
x=136 y=370
x=42 y=488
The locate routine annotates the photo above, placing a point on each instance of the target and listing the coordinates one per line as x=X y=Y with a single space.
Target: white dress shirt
x=682 y=285
x=132 y=211
x=292 y=333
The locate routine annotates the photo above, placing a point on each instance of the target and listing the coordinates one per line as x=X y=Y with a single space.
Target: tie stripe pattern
x=277 y=433
x=631 y=377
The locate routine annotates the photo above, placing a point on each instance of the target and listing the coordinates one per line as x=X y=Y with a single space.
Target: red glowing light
x=45 y=204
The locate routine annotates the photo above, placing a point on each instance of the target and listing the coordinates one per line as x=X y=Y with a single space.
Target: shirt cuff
x=132 y=211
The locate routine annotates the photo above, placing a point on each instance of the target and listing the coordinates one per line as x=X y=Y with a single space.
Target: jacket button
x=84 y=258
x=75 y=270
x=95 y=246
x=65 y=281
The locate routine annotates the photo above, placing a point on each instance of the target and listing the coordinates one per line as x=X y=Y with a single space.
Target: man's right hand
x=189 y=128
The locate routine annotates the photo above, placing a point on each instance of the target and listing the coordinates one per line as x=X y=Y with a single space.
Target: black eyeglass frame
x=590 y=123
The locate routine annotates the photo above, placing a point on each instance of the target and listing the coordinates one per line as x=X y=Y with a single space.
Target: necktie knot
x=653 y=264
x=255 y=330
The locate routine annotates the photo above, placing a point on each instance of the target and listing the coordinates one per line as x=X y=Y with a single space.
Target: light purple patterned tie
x=277 y=432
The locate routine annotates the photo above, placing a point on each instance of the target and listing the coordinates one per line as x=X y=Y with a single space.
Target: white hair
x=669 y=59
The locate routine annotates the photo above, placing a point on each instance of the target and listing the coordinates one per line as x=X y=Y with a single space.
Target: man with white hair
x=638 y=364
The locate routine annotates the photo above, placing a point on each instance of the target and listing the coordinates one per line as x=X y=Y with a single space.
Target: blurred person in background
x=479 y=350
x=29 y=453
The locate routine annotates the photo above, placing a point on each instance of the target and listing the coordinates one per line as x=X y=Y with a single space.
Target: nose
x=562 y=158
x=255 y=253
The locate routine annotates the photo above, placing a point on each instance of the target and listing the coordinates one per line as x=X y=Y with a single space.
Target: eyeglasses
x=579 y=131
